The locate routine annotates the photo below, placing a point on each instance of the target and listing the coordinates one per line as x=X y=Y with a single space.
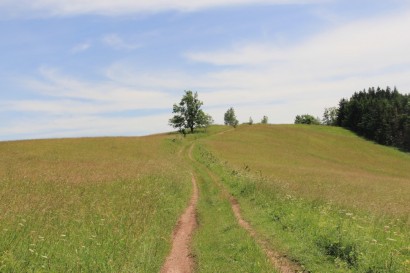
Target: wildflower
x=62 y=235
x=32 y=251
x=349 y=214
x=390 y=239
x=44 y=256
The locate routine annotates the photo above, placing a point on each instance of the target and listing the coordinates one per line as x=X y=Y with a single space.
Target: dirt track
x=279 y=261
x=180 y=259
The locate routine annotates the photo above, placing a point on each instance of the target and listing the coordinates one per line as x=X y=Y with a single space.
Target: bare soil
x=180 y=260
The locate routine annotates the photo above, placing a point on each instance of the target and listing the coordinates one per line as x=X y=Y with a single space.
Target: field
x=329 y=199
x=89 y=205
x=318 y=197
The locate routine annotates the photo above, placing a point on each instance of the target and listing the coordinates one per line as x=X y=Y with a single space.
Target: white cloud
x=81 y=47
x=116 y=42
x=350 y=57
x=110 y=7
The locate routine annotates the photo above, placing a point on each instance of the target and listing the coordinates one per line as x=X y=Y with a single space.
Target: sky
x=75 y=68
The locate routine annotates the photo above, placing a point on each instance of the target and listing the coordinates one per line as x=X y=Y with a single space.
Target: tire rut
x=278 y=260
x=180 y=259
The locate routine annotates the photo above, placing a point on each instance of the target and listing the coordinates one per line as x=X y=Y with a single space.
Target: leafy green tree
x=230 y=118
x=204 y=120
x=264 y=120
x=330 y=116
x=306 y=119
x=188 y=114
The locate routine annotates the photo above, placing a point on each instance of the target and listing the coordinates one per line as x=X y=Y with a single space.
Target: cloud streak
x=81 y=47
x=116 y=42
x=119 y=7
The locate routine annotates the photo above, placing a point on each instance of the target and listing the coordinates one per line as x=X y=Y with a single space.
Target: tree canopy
x=230 y=118
x=264 y=120
x=330 y=116
x=382 y=115
x=306 y=119
x=188 y=113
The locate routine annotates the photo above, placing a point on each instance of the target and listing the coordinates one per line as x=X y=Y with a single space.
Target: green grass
x=220 y=244
x=321 y=195
x=292 y=186
x=320 y=162
x=89 y=205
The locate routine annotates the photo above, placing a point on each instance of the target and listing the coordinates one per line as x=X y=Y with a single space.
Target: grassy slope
x=331 y=200
x=104 y=204
x=322 y=162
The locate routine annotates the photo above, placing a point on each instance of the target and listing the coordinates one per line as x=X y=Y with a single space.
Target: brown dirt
x=278 y=260
x=180 y=260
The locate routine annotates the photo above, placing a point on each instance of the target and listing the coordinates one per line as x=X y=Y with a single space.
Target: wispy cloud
x=116 y=42
x=81 y=47
x=109 y=7
x=372 y=50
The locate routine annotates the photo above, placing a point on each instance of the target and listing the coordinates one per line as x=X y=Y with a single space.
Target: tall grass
x=89 y=205
x=220 y=244
x=292 y=184
x=321 y=162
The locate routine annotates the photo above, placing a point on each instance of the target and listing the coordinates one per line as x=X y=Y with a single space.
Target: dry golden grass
x=92 y=204
x=319 y=162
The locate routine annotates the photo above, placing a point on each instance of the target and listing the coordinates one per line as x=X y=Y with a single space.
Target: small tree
x=307 y=119
x=264 y=120
x=230 y=118
x=330 y=116
x=189 y=114
x=250 y=121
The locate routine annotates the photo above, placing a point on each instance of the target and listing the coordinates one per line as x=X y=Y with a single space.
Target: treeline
x=381 y=115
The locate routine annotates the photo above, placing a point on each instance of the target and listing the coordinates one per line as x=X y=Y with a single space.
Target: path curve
x=180 y=260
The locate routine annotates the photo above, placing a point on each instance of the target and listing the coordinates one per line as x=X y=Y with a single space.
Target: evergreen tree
x=379 y=114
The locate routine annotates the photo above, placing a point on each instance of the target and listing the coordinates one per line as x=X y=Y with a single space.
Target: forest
x=381 y=115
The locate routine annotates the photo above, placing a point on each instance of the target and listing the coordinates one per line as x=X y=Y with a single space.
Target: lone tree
x=264 y=120
x=230 y=118
x=188 y=114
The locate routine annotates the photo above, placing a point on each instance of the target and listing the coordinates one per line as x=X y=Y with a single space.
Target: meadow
x=327 y=198
x=321 y=196
x=90 y=205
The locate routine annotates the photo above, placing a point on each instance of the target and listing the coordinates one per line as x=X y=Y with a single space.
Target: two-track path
x=180 y=259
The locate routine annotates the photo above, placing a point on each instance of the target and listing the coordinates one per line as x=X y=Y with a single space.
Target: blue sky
x=101 y=67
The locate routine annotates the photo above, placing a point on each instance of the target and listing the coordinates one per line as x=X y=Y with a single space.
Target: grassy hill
x=329 y=199
x=324 y=197
x=320 y=162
